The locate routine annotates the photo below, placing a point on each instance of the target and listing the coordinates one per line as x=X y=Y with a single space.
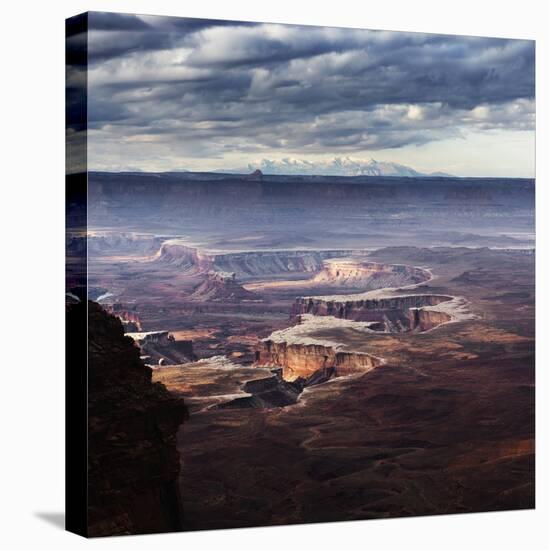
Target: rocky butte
x=302 y=355
x=221 y=286
x=305 y=360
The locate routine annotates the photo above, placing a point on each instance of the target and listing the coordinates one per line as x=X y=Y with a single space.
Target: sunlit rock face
x=261 y=263
x=303 y=360
x=301 y=352
x=369 y=275
x=243 y=265
x=348 y=271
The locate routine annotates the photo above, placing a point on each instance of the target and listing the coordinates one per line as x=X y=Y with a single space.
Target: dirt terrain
x=328 y=376
x=445 y=424
x=442 y=422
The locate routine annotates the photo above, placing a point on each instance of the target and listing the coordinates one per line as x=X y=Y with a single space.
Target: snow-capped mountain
x=336 y=167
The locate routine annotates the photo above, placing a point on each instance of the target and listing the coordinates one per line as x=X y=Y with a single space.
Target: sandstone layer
x=363 y=309
x=245 y=264
x=354 y=273
x=303 y=361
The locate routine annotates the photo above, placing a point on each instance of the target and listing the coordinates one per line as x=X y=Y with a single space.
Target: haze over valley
x=339 y=331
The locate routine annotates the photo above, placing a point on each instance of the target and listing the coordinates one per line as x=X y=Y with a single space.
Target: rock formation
x=265 y=393
x=392 y=310
x=130 y=319
x=369 y=275
x=133 y=461
x=221 y=286
x=261 y=263
x=246 y=264
x=353 y=273
x=256 y=175
x=423 y=319
x=160 y=347
x=305 y=360
x=122 y=244
x=188 y=259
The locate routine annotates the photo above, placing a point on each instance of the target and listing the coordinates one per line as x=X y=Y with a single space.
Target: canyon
x=339 y=355
x=365 y=440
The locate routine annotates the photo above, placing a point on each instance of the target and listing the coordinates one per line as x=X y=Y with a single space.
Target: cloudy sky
x=171 y=94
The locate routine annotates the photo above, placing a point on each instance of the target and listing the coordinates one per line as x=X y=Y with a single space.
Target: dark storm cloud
x=102 y=21
x=124 y=33
x=230 y=86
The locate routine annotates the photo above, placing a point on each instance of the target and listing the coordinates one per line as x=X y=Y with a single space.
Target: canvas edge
x=76 y=353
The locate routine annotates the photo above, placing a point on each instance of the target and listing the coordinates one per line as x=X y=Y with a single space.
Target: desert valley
x=346 y=348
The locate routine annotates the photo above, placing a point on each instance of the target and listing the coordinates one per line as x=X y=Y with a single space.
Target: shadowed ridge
x=132 y=424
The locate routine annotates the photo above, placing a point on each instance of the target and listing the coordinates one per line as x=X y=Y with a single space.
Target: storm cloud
x=191 y=90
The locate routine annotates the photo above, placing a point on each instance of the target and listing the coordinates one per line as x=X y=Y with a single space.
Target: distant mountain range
x=336 y=167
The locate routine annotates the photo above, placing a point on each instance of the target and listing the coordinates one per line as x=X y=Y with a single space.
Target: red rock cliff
x=302 y=361
x=422 y=319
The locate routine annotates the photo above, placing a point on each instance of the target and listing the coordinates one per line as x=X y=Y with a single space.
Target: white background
x=32 y=272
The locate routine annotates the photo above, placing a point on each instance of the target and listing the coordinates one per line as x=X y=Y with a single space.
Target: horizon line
x=248 y=174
